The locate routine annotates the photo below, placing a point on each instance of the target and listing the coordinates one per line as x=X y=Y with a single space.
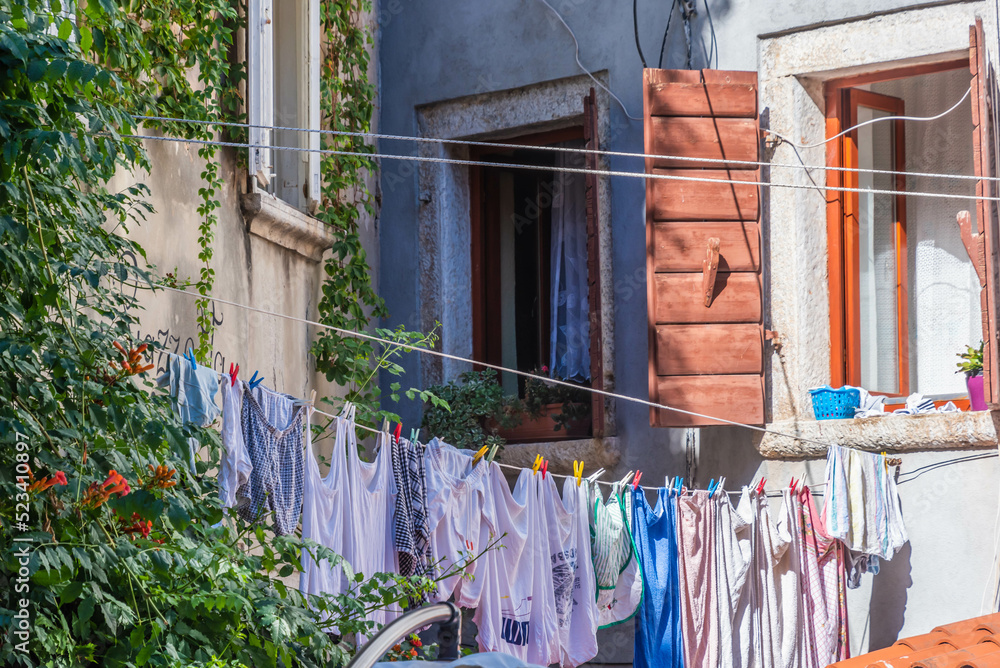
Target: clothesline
x=569 y=149
x=570 y=170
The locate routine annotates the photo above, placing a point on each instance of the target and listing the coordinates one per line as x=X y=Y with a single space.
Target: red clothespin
x=545 y=467
x=399 y=429
x=636 y=479
x=791 y=485
x=232 y=373
x=760 y=486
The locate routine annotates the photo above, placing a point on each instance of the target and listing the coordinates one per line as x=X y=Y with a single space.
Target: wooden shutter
x=314 y=186
x=707 y=359
x=590 y=135
x=260 y=84
x=984 y=160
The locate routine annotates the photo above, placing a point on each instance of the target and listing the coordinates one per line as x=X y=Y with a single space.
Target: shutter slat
x=702 y=200
x=718 y=100
x=679 y=298
x=716 y=139
x=684 y=350
x=739 y=398
x=680 y=247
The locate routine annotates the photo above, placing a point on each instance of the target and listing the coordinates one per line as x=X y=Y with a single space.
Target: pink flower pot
x=977 y=399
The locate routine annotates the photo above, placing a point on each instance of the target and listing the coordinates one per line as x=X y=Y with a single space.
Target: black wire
x=635 y=28
x=916 y=473
x=714 y=44
x=663 y=46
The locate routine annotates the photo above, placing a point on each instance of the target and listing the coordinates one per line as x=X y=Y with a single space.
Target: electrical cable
x=580 y=65
x=714 y=50
x=663 y=44
x=635 y=28
x=568 y=149
x=874 y=120
x=570 y=170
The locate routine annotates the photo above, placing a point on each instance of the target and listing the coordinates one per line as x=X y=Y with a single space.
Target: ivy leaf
x=65 y=28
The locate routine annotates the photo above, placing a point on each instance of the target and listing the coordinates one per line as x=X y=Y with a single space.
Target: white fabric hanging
x=570 y=320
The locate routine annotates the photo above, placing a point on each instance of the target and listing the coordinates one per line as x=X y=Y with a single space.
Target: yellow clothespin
x=537 y=464
x=578 y=471
x=479 y=454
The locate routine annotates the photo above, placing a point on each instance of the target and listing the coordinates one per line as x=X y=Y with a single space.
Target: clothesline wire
x=570 y=170
x=568 y=149
x=496 y=367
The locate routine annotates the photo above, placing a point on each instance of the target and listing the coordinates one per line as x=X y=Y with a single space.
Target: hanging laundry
x=192 y=391
x=696 y=545
x=412 y=532
x=616 y=563
x=368 y=545
x=456 y=494
x=567 y=521
x=733 y=539
x=326 y=513
x=862 y=507
x=775 y=609
x=658 y=634
x=821 y=560
x=274 y=487
x=235 y=467
x=516 y=612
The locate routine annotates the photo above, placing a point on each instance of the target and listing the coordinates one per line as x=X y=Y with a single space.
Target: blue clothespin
x=255 y=381
x=711 y=486
x=189 y=356
x=679 y=484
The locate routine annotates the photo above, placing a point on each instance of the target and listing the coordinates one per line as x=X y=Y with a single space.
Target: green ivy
x=109 y=538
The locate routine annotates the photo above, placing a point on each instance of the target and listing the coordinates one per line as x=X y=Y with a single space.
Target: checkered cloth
x=412 y=530
x=275 y=484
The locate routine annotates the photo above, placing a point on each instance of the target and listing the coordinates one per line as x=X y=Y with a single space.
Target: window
x=283 y=90
x=904 y=292
x=530 y=275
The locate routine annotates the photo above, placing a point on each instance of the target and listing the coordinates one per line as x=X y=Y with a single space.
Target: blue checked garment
x=411 y=528
x=275 y=484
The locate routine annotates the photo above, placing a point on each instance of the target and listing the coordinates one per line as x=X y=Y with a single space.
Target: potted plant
x=549 y=409
x=972 y=366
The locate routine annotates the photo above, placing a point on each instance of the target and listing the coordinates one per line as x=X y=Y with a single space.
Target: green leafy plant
x=478 y=409
x=574 y=402
x=972 y=361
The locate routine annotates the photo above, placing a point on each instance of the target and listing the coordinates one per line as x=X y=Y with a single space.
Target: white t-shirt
x=236 y=465
x=456 y=491
x=517 y=613
x=567 y=521
x=368 y=542
x=324 y=513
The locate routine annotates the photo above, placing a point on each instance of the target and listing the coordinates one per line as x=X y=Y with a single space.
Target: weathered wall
x=434 y=52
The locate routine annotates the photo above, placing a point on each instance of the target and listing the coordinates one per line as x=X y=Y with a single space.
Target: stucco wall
x=433 y=52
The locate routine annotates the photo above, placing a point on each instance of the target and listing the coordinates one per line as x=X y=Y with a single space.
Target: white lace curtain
x=570 y=329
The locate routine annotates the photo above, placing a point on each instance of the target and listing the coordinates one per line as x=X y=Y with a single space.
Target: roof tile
x=988 y=622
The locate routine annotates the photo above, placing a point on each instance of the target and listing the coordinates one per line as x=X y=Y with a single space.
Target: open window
x=535 y=301
x=283 y=86
x=904 y=291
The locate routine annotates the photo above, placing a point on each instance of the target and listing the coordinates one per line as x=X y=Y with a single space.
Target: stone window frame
x=793 y=67
x=444 y=230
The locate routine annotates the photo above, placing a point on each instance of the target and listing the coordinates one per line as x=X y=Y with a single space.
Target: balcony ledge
x=270 y=218
x=892 y=433
x=597 y=452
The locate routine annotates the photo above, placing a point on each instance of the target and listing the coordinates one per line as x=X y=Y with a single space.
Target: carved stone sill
x=892 y=433
x=270 y=218
x=596 y=452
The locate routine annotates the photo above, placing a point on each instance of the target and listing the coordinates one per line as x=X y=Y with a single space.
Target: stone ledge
x=596 y=452
x=892 y=433
x=270 y=218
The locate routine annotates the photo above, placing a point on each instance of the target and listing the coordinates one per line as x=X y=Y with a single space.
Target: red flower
x=416 y=642
x=60 y=478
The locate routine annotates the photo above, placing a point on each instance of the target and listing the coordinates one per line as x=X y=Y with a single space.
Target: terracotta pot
x=542 y=428
x=977 y=397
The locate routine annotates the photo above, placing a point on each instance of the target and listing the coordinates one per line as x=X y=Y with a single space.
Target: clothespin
x=255 y=381
x=635 y=481
x=595 y=475
x=719 y=485
x=711 y=487
x=479 y=454
x=537 y=464
x=414 y=435
x=312 y=398
x=626 y=479
x=399 y=428
x=232 y=374
x=489 y=457
x=791 y=485
x=679 y=484
x=545 y=467
x=189 y=356
x=385 y=425
x=578 y=472
x=760 y=486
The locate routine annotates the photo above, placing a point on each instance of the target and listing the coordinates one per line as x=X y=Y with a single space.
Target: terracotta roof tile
x=865 y=659
x=988 y=622
x=908 y=660
x=986 y=661
x=924 y=641
x=958 y=657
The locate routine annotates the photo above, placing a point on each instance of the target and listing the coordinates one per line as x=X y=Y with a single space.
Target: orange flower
x=41 y=485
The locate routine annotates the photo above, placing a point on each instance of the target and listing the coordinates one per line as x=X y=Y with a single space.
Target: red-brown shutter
x=984 y=161
x=590 y=134
x=707 y=359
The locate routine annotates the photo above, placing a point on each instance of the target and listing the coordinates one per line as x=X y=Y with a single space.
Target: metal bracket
x=709 y=270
